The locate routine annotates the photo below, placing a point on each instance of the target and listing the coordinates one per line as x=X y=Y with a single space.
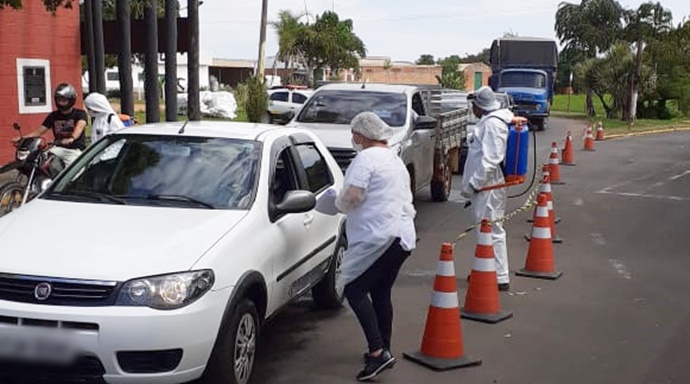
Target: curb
x=645 y=133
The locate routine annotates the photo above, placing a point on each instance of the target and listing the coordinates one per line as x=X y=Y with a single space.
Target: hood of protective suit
x=504 y=114
x=98 y=105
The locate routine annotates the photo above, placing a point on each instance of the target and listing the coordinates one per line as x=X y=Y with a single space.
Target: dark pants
x=376 y=314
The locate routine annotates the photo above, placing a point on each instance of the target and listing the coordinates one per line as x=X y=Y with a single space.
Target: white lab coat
x=105 y=119
x=486 y=151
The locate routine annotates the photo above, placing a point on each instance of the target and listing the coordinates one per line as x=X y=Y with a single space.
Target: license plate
x=40 y=347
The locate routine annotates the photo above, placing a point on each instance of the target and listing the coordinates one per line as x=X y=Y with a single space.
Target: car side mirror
x=285 y=117
x=296 y=202
x=425 y=122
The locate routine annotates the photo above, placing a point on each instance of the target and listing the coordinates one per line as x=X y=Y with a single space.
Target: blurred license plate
x=43 y=347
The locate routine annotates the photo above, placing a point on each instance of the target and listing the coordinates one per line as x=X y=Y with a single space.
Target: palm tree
x=590 y=27
x=289 y=29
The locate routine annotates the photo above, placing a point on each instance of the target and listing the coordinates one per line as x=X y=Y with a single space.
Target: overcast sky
x=399 y=29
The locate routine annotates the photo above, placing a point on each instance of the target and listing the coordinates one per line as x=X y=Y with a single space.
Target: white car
x=284 y=100
x=159 y=253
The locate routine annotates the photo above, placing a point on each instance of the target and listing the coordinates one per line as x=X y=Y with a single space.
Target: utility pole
x=124 y=56
x=171 y=60
x=262 y=41
x=193 y=97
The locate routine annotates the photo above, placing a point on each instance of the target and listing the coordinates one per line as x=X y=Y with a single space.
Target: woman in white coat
x=105 y=119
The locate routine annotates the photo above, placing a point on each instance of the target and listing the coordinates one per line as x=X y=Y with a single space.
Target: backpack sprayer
x=514 y=166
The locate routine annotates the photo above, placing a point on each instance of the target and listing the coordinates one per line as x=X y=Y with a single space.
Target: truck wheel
x=440 y=189
x=233 y=357
x=326 y=294
x=11 y=195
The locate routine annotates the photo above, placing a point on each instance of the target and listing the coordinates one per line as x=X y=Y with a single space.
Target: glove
x=326 y=202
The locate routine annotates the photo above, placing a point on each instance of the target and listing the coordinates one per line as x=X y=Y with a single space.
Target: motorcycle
x=36 y=168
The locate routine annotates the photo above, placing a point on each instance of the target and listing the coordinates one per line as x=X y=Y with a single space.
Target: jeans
x=375 y=315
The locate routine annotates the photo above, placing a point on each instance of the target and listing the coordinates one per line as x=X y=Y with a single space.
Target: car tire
x=11 y=195
x=440 y=189
x=237 y=342
x=326 y=294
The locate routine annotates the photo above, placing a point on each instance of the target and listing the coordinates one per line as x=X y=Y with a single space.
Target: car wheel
x=440 y=189
x=326 y=294
x=232 y=360
x=11 y=195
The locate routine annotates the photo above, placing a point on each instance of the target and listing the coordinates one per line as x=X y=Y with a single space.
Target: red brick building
x=38 y=50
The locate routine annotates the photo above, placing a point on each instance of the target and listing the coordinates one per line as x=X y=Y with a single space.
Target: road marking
x=606 y=191
x=620 y=268
x=676 y=177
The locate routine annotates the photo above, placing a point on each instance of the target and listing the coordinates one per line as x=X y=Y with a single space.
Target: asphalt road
x=619 y=313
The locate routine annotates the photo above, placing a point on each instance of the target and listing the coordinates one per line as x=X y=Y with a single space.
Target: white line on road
x=676 y=177
x=644 y=195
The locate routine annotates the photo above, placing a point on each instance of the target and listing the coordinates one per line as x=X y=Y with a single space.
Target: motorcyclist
x=67 y=123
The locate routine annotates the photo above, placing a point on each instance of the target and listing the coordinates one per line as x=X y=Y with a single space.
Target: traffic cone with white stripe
x=568 y=157
x=442 y=346
x=600 y=132
x=481 y=301
x=546 y=189
x=589 y=140
x=540 y=261
x=554 y=169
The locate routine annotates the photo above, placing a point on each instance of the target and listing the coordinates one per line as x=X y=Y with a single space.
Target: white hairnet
x=484 y=99
x=370 y=125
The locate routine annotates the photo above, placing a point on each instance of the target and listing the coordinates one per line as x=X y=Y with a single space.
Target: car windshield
x=180 y=171
x=523 y=79
x=340 y=106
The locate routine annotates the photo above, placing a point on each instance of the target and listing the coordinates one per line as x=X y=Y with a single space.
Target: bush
x=256 y=102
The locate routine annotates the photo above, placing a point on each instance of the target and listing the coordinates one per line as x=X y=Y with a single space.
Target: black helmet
x=65 y=91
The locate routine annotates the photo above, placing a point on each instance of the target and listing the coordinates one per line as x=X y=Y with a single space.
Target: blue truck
x=525 y=68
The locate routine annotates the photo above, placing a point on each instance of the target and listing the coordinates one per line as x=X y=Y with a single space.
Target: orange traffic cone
x=545 y=187
x=442 y=346
x=600 y=132
x=481 y=301
x=540 y=262
x=554 y=169
x=589 y=140
x=567 y=157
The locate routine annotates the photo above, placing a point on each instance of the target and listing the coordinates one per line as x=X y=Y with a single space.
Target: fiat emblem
x=42 y=291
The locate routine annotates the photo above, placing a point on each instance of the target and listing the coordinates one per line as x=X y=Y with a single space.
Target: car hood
x=339 y=135
x=107 y=242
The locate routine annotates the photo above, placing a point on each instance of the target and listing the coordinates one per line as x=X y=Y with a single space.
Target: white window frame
x=24 y=109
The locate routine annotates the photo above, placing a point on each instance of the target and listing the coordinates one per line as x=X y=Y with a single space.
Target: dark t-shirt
x=63 y=127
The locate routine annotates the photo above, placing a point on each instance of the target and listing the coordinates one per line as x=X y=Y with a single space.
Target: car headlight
x=167 y=291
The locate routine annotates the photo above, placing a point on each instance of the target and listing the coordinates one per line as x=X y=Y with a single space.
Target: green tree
x=451 y=76
x=482 y=57
x=426 y=60
x=289 y=30
x=256 y=102
x=588 y=29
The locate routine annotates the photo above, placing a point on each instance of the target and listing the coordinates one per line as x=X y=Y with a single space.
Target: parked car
x=163 y=249
x=286 y=99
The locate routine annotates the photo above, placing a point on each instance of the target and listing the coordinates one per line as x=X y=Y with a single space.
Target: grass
x=611 y=126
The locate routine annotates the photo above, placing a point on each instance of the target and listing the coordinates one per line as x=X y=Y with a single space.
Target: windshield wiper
x=89 y=194
x=183 y=198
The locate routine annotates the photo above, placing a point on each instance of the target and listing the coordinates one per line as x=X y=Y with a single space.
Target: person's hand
x=67 y=141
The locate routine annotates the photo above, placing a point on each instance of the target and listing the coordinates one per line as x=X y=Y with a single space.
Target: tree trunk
x=124 y=56
x=589 y=104
x=171 y=60
x=153 y=114
x=193 y=97
x=99 y=45
x=90 y=49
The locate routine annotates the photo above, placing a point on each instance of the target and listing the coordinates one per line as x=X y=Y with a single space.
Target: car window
x=279 y=96
x=284 y=177
x=340 y=106
x=418 y=104
x=318 y=175
x=163 y=170
x=298 y=98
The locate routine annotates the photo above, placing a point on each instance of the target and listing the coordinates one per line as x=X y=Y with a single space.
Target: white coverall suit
x=486 y=151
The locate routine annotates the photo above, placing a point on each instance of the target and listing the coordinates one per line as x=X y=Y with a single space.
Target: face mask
x=357 y=147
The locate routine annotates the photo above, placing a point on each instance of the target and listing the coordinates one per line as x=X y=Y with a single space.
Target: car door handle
x=308 y=219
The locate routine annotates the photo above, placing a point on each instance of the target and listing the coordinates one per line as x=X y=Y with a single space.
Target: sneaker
x=375 y=365
x=503 y=287
x=365 y=356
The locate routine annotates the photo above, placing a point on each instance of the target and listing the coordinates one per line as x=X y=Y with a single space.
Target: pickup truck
x=427 y=139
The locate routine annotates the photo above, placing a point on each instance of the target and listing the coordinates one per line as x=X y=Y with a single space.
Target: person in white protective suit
x=105 y=119
x=486 y=152
x=380 y=231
